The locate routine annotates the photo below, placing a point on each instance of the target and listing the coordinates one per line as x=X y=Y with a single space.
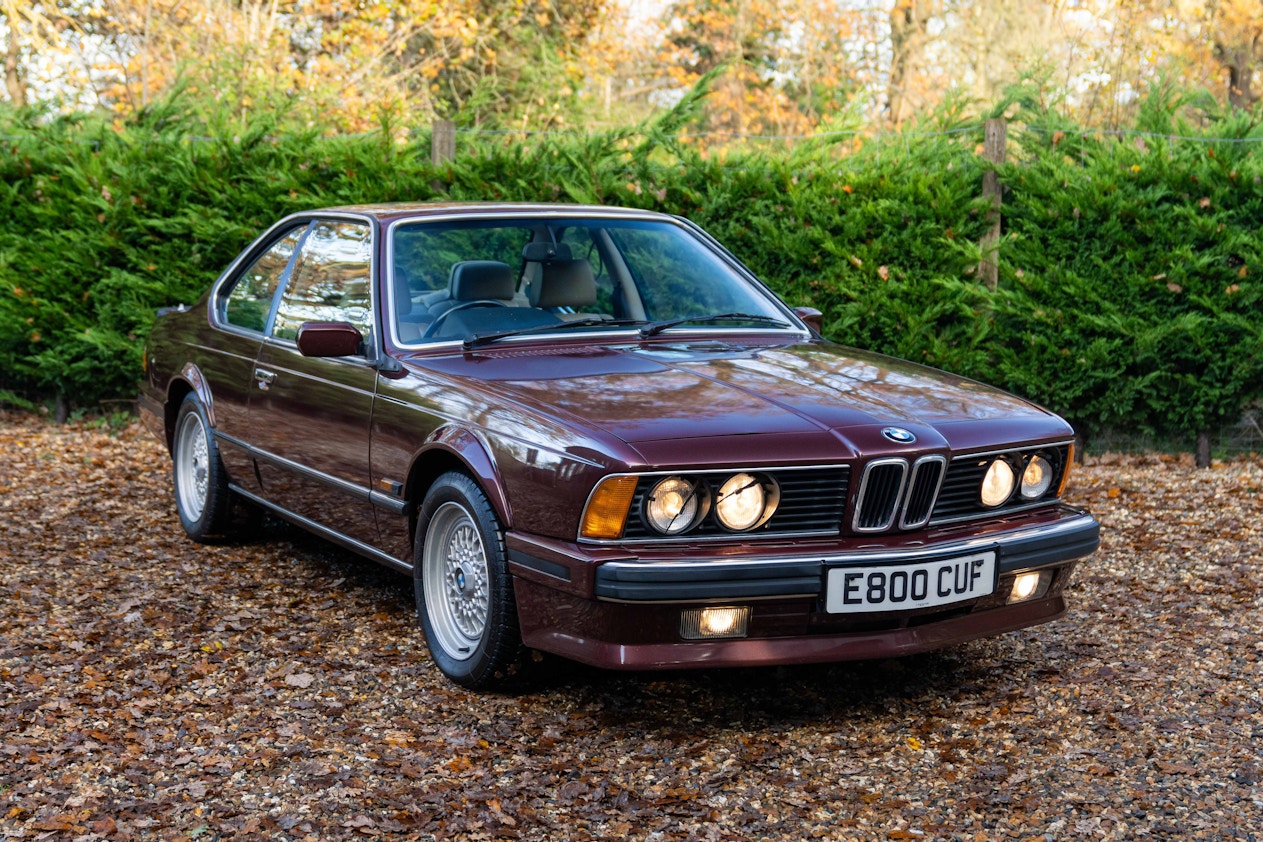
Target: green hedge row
x=1129 y=292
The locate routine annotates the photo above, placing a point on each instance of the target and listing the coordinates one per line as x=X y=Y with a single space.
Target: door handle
x=264 y=378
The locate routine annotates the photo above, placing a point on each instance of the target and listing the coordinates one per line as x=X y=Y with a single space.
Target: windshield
x=456 y=279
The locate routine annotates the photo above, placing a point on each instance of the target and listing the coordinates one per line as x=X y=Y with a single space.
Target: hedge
x=1129 y=289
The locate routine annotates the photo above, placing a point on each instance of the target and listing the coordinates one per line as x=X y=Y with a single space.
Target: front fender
x=466 y=446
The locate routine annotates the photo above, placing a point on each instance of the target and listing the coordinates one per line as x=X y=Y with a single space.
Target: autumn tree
x=334 y=63
x=787 y=64
x=523 y=63
x=28 y=25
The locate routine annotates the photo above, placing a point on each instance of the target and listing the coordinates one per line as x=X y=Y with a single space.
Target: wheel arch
x=455 y=449
x=189 y=379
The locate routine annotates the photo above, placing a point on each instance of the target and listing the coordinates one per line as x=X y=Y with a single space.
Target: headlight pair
x=676 y=504
x=1001 y=477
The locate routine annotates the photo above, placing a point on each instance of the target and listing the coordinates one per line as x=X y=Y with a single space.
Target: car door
x=243 y=304
x=309 y=417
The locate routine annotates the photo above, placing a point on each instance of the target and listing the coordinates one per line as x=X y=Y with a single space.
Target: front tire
x=464 y=593
x=202 y=497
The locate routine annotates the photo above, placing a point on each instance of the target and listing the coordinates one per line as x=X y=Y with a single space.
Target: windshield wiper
x=654 y=328
x=475 y=339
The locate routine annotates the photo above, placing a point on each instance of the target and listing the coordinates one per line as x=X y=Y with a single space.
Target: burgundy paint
x=328 y=339
x=538 y=424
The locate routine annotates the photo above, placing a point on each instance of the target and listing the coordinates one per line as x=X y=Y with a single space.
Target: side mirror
x=813 y=318
x=329 y=339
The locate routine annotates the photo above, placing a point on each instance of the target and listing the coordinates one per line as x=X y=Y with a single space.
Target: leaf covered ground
x=152 y=688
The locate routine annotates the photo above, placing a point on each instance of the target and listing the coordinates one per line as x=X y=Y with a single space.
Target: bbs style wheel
x=464 y=594
x=202 y=497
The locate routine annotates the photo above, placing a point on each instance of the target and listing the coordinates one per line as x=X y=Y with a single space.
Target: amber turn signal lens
x=1065 y=471
x=606 y=513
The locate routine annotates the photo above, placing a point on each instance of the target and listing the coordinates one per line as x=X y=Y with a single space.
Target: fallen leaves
x=152 y=688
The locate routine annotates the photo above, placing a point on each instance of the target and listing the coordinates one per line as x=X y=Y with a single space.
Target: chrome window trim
x=899 y=495
x=904 y=523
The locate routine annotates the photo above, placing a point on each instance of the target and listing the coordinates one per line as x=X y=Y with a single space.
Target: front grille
x=959 y=498
x=811 y=501
x=926 y=474
x=880 y=493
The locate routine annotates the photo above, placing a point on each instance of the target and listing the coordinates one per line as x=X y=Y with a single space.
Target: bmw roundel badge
x=898 y=435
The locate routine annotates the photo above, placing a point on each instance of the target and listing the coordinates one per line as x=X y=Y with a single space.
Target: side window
x=249 y=301
x=330 y=281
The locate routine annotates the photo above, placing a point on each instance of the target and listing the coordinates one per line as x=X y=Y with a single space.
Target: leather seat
x=565 y=286
x=409 y=319
x=475 y=280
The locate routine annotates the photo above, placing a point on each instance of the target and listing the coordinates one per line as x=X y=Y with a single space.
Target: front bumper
x=610 y=608
x=682 y=581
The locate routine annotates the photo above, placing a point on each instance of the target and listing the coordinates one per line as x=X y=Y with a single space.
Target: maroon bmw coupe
x=591 y=431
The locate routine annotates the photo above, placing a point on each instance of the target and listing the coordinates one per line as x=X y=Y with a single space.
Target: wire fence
x=874 y=135
x=1242 y=438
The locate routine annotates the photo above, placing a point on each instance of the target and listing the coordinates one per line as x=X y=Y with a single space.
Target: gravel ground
x=152 y=688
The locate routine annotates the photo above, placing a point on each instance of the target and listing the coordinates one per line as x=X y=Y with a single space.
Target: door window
x=330 y=281
x=249 y=301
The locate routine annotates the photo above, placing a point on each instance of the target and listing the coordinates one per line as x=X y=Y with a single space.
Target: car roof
x=392 y=211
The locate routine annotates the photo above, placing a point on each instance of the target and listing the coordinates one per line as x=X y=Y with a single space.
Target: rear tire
x=464 y=593
x=202 y=497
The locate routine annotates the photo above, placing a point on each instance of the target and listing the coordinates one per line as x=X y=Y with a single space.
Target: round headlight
x=742 y=503
x=1037 y=477
x=997 y=485
x=674 y=506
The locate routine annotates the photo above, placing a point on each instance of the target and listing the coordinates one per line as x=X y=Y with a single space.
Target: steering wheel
x=464 y=305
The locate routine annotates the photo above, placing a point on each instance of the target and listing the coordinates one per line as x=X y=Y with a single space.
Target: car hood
x=671 y=391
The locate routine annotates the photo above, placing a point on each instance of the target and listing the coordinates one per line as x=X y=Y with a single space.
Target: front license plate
x=899 y=587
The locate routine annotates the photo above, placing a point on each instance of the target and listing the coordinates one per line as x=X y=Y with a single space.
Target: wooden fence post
x=442 y=148
x=442 y=142
x=995 y=132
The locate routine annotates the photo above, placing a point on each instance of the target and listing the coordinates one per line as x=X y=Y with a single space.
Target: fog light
x=1029 y=585
x=713 y=623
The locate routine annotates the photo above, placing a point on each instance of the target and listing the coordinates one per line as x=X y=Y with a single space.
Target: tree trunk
x=1203 y=449
x=1239 y=59
x=12 y=79
x=1239 y=79
x=908 y=20
x=995 y=133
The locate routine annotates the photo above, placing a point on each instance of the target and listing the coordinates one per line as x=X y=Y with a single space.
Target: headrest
x=403 y=291
x=473 y=280
x=565 y=283
x=540 y=251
